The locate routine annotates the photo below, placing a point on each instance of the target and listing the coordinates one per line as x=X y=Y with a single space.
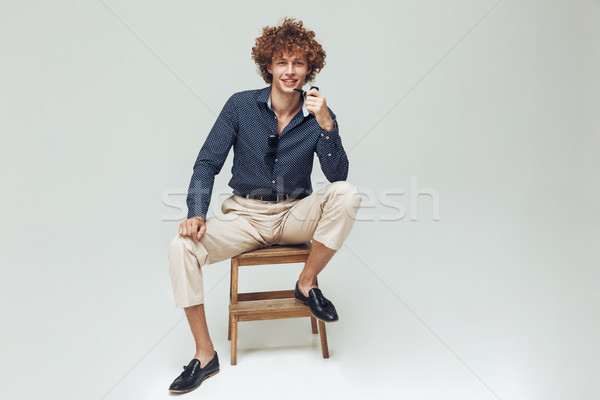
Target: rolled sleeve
x=331 y=153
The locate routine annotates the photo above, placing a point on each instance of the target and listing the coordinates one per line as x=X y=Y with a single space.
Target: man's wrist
x=329 y=127
x=327 y=123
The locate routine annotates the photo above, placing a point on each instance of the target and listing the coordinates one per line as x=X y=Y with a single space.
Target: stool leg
x=229 y=328
x=324 y=347
x=233 y=297
x=313 y=324
x=234 y=334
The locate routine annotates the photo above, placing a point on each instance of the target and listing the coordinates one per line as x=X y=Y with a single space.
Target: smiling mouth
x=289 y=82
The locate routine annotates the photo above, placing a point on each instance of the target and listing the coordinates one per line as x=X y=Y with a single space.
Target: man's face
x=289 y=71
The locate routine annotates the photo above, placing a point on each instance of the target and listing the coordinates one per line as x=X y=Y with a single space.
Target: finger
x=201 y=231
x=314 y=107
x=315 y=100
x=184 y=228
x=314 y=92
x=194 y=230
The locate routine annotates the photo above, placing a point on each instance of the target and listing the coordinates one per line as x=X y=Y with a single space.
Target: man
x=275 y=133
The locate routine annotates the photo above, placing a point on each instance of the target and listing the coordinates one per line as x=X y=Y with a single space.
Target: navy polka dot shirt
x=246 y=121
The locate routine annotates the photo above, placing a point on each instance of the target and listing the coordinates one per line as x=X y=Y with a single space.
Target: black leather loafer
x=320 y=307
x=192 y=375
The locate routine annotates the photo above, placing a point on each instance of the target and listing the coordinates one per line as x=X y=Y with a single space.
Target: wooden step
x=256 y=310
x=277 y=254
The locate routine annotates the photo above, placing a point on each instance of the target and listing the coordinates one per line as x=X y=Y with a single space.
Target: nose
x=290 y=68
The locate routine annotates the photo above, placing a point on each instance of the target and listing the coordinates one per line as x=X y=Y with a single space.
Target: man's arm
x=331 y=153
x=210 y=160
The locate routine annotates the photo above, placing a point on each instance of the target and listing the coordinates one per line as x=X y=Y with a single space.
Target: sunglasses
x=270 y=156
x=303 y=93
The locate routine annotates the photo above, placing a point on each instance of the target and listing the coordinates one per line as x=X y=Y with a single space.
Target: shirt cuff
x=335 y=131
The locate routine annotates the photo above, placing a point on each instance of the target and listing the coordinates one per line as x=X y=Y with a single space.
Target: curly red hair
x=289 y=37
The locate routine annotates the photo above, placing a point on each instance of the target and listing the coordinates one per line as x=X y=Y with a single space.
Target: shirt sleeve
x=331 y=153
x=210 y=160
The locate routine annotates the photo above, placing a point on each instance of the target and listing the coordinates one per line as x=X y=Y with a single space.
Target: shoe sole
x=306 y=304
x=195 y=387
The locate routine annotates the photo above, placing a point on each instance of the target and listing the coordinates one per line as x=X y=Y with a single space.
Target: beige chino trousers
x=326 y=216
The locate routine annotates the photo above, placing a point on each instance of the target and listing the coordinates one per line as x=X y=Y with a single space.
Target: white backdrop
x=490 y=106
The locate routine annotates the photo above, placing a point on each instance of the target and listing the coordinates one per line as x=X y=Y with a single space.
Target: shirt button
x=321 y=134
x=326 y=137
x=329 y=154
x=272 y=181
x=276 y=160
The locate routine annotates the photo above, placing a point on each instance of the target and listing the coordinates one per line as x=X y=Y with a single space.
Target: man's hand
x=316 y=104
x=193 y=227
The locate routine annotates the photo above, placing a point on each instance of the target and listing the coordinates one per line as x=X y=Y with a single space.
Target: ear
x=308 y=70
x=270 y=69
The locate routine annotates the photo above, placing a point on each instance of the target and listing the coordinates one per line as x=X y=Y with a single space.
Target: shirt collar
x=265 y=97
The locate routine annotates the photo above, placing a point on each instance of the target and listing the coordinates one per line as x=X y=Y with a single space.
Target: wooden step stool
x=268 y=305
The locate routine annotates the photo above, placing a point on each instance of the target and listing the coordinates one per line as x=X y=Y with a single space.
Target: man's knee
x=178 y=244
x=182 y=250
x=346 y=189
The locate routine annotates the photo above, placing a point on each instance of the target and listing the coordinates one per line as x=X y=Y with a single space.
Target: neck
x=285 y=103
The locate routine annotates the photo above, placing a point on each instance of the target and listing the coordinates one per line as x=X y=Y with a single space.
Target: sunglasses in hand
x=303 y=93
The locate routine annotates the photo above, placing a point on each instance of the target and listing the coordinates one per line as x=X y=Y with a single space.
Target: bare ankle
x=306 y=284
x=205 y=355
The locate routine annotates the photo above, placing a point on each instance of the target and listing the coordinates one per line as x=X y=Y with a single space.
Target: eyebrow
x=285 y=59
x=293 y=59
